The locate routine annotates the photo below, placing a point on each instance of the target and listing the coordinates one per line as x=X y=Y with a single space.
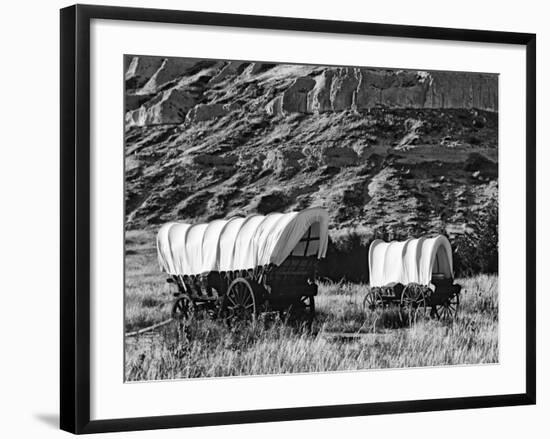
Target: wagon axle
x=443 y=301
x=415 y=274
x=239 y=267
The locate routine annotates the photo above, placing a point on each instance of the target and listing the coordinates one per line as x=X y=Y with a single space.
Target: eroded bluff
x=396 y=152
x=175 y=90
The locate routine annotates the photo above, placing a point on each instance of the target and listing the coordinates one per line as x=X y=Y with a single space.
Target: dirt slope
x=410 y=152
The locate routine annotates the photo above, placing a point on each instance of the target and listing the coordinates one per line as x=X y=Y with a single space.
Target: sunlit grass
x=209 y=348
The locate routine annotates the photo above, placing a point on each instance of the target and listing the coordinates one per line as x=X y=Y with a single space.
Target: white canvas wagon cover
x=241 y=243
x=413 y=260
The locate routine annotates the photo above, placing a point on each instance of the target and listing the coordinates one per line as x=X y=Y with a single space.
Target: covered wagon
x=239 y=266
x=416 y=273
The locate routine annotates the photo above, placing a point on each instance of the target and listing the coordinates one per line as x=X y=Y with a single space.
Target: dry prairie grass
x=210 y=348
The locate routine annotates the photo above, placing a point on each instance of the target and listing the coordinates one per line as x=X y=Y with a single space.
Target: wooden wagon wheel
x=241 y=300
x=183 y=308
x=413 y=299
x=373 y=299
x=448 y=309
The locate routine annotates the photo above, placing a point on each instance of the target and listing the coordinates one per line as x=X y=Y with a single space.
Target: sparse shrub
x=477 y=251
x=473 y=140
x=387 y=234
x=479 y=122
x=347 y=253
x=151 y=301
x=273 y=201
x=477 y=162
x=346 y=257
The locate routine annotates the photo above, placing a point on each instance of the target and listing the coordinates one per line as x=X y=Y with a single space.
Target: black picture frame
x=75 y=217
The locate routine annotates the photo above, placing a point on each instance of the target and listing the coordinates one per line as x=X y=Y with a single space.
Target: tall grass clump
x=344 y=336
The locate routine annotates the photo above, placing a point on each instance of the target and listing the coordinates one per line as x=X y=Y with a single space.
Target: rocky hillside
x=406 y=151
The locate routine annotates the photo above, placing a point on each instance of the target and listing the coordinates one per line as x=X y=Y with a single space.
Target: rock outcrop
x=171 y=104
x=294 y=98
x=230 y=70
x=169 y=107
x=405 y=152
x=284 y=162
x=343 y=89
x=339 y=156
x=204 y=112
x=214 y=161
x=275 y=106
x=169 y=70
x=164 y=90
x=319 y=100
x=463 y=90
x=140 y=70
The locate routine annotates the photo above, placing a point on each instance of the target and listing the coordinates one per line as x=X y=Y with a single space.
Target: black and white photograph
x=296 y=218
x=275 y=219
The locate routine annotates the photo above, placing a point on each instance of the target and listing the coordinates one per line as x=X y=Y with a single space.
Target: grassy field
x=344 y=336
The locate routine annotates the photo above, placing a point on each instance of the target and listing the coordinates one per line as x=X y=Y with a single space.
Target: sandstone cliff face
x=410 y=151
x=163 y=91
x=363 y=89
x=319 y=100
x=140 y=70
x=460 y=90
x=295 y=97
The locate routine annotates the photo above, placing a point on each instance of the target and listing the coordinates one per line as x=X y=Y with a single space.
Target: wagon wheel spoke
x=372 y=300
x=234 y=294
x=237 y=294
x=248 y=299
x=229 y=297
x=414 y=301
x=243 y=294
x=240 y=300
x=447 y=313
x=182 y=308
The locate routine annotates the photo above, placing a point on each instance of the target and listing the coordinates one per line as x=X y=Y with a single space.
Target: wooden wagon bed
x=416 y=274
x=258 y=263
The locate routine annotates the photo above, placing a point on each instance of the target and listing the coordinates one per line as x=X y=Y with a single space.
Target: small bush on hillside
x=477 y=251
x=478 y=162
x=346 y=257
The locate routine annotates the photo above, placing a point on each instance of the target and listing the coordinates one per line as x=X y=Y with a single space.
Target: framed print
x=292 y=219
